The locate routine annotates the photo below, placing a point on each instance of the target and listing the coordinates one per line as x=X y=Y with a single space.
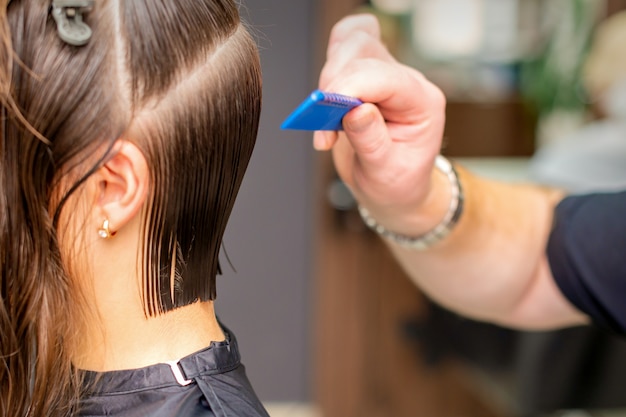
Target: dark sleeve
x=587 y=256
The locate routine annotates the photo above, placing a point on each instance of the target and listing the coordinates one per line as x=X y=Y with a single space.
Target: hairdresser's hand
x=386 y=152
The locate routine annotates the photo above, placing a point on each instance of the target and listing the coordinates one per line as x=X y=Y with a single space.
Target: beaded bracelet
x=441 y=230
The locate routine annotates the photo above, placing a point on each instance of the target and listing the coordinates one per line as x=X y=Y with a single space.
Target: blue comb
x=321 y=111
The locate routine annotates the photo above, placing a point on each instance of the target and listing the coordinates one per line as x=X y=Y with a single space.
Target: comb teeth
x=335 y=98
x=320 y=111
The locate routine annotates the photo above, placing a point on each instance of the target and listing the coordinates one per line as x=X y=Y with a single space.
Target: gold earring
x=104 y=232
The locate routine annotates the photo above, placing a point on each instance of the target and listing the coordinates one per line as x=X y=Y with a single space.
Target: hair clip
x=68 y=15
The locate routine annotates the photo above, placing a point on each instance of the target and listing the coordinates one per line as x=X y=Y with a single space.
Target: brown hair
x=182 y=79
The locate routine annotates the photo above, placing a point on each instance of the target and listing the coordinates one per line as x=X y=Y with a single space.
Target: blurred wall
x=265 y=301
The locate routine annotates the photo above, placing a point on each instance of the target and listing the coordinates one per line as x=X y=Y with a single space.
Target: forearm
x=492 y=266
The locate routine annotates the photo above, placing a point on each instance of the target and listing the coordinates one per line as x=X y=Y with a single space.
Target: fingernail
x=320 y=141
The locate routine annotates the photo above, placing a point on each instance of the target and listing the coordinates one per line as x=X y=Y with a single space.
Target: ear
x=122 y=185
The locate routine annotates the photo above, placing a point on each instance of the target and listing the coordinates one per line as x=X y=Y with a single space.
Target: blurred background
x=327 y=323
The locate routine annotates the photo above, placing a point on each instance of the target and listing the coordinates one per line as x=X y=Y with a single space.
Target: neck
x=123 y=341
x=115 y=333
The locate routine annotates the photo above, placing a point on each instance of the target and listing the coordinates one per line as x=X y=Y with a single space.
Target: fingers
x=401 y=95
x=346 y=27
x=359 y=64
x=412 y=107
x=403 y=116
x=356 y=37
x=324 y=140
x=368 y=135
x=386 y=150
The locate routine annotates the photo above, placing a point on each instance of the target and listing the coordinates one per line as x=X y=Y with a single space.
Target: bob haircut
x=182 y=80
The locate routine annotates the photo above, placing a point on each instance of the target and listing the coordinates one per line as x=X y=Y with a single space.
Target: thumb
x=367 y=132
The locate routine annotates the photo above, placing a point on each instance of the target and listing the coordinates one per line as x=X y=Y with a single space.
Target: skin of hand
x=493 y=265
x=395 y=135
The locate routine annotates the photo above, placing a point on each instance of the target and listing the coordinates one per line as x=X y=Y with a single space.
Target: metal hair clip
x=68 y=15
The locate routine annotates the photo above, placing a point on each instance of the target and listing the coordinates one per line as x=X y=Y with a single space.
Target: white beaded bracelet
x=441 y=230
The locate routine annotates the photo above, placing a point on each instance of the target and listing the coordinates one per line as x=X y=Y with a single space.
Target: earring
x=104 y=232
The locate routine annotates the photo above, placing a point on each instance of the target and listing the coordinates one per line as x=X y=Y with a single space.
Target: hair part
x=200 y=136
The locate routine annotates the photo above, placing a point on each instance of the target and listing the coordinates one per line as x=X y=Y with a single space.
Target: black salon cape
x=587 y=256
x=219 y=388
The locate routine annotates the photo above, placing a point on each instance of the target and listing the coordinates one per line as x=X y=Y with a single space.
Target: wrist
x=433 y=221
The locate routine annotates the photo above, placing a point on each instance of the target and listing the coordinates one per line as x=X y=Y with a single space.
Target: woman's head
x=180 y=81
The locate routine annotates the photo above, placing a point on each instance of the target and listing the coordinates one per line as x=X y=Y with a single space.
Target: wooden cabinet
x=366 y=364
x=489 y=129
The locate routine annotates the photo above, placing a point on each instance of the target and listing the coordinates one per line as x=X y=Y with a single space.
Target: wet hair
x=181 y=79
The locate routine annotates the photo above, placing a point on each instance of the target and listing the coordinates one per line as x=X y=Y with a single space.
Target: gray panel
x=266 y=301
